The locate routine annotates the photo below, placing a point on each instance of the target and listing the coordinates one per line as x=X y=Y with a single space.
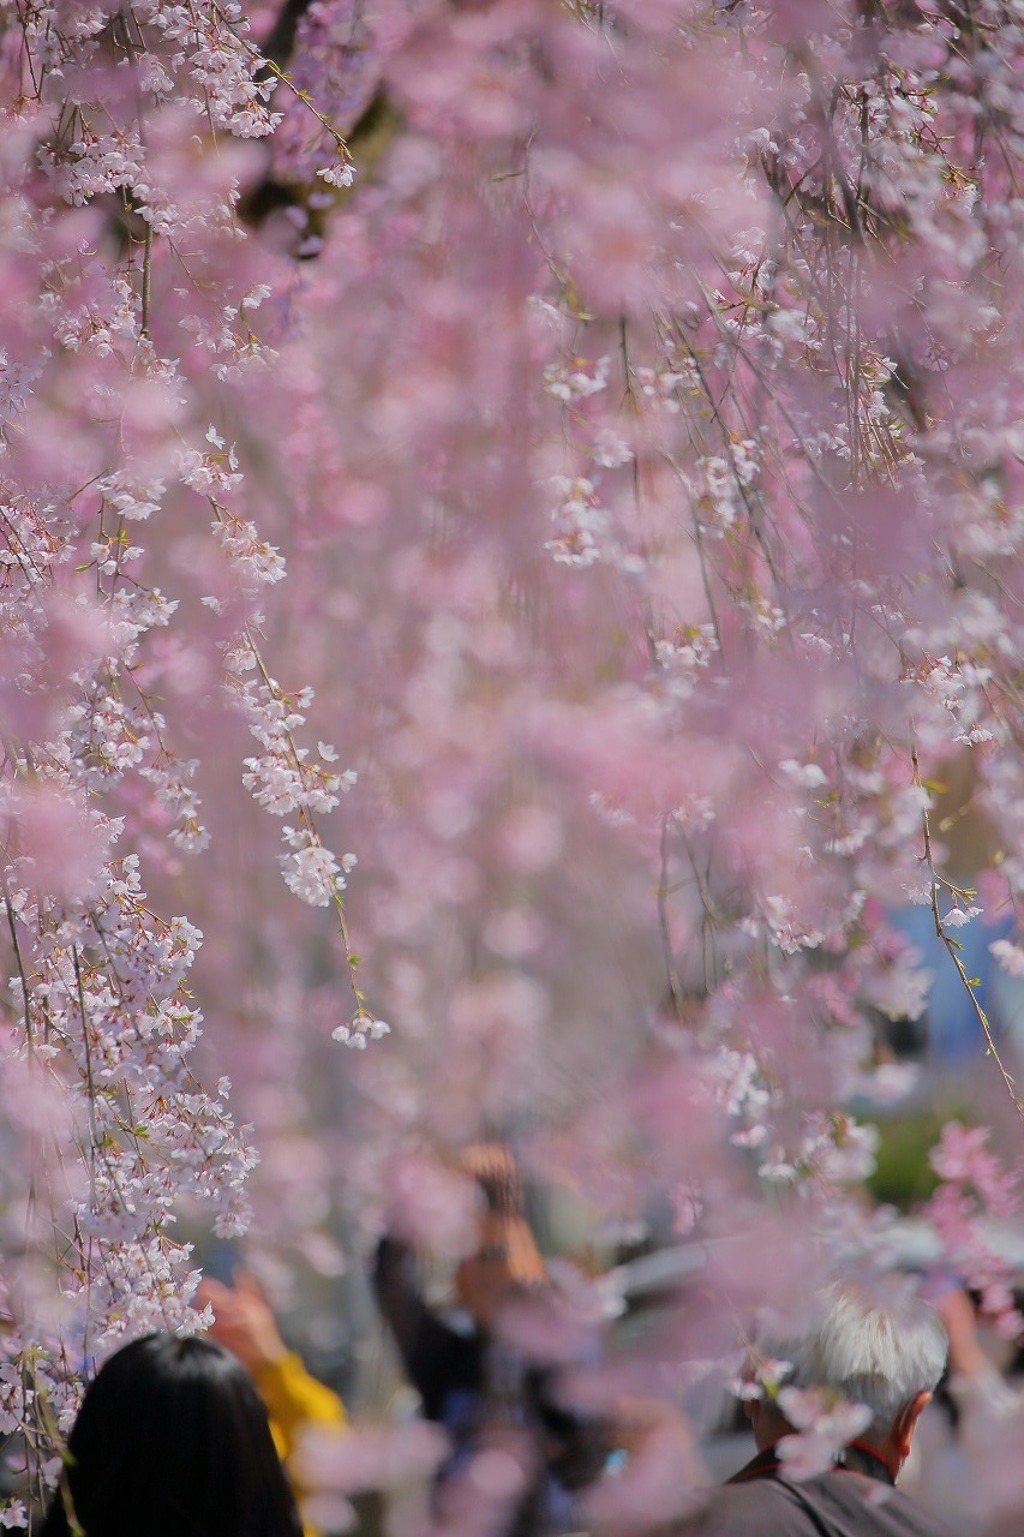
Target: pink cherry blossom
x=485 y=587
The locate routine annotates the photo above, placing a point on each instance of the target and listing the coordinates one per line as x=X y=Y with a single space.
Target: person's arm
x=437 y=1361
x=397 y=1288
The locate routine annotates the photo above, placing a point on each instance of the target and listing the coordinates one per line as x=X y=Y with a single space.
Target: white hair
x=879 y=1348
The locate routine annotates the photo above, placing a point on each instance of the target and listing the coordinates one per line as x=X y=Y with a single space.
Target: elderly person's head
x=883 y=1348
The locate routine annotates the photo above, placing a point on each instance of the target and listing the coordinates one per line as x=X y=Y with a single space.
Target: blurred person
x=884 y=1352
x=244 y=1323
x=172 y=1439
x=968 y=1463
x=472 y=1380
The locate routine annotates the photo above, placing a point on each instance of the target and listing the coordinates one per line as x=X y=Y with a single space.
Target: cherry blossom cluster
x=640 y=431
x=129 y=312
x=673 y=549
x=975 y=1192
x=722 y=406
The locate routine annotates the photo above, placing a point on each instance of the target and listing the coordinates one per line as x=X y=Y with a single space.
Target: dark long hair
x=172 y=1441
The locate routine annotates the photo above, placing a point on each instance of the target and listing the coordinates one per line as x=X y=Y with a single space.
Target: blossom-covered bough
x=642 y=433
x=128 y=315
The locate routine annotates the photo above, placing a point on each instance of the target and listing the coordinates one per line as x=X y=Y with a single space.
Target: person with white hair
x=833 y=1421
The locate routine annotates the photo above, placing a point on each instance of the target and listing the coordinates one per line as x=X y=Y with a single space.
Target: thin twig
x=951 y=947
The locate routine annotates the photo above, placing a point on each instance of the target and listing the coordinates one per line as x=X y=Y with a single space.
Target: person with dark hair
x=172 y=1441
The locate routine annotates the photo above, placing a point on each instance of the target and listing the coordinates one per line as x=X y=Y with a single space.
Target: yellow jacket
x=293 y=1399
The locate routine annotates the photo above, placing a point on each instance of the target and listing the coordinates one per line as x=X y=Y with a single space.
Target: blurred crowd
x=894 y=1411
